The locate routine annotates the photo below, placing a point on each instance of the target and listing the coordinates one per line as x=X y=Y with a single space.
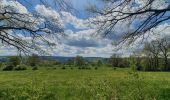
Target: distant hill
x=65 y=59
x=60 y=58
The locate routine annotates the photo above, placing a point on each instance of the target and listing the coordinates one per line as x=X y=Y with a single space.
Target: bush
x=20 y=67
x=14 y=61
x=96 y=68
x=88 y=68
x=83 y=67
x=114 y=68
x=63 y=67
x=54 y=68
x=35 y=68
x=8 y=68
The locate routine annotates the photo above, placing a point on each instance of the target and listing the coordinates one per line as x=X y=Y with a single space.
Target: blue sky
x=80 y=38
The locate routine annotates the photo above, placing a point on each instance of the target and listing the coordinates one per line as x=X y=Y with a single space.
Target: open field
x=75 y=84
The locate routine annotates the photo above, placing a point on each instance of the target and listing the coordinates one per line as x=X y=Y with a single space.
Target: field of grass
x=75 y=84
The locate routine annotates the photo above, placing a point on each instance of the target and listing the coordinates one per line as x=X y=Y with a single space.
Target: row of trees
x=19 y=63
x=154 y=57
x=156 y=54
x=34 y=61
x=80 y=62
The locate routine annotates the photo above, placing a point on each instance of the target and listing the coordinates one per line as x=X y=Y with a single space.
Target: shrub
x=83 y=67
x=20 y=67
x=14 y=61
x=96 y=68
x=54 y=68
x=35 y=68
x=63 y=67
x=114 y=68
x=8 y=68
x=88 y=68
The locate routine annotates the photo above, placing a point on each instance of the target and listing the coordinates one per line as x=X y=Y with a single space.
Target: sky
x=80 y=39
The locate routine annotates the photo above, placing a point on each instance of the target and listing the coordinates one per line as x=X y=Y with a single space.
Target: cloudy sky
x=80 y=39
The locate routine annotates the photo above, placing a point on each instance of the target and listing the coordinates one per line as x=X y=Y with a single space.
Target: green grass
x=101 y=84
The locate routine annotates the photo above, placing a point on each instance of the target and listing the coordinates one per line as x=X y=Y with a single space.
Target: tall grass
x=102 y=84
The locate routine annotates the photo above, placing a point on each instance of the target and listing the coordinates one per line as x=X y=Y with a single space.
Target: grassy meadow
x=75 y=84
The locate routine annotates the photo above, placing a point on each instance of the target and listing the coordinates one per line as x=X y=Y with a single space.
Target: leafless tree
x=26 y=31
x=152 y=52
x=139 y=15
x=164 y=45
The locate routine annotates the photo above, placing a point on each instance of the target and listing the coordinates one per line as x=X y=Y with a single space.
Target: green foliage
x=96 y=68
x=33 y=60
x=101 y=84
x=114 y=68
x=48 y=63
x=63 y=67
x=71 y=68
x=97 y=63
x=20 y=67
x=132 y=63
x=14 y=61
x=35 y=68
x=79 y=61
x=71 y=62
x=8 y=68
x=116 y=61
x=1 y=64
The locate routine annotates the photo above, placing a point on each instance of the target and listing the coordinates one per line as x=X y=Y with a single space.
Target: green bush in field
x=20 y=67
x=114 y=68
x=35 y=68
x=14 y=61
x=63 y=67
x=8 y=68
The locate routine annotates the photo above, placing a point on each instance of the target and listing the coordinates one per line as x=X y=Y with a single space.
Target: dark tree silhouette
x=140 y=15
x=26 y=31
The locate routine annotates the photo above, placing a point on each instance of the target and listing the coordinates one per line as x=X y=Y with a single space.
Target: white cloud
x=76 y=22
x=14 y=5
x=82 y=42
x=50 y=15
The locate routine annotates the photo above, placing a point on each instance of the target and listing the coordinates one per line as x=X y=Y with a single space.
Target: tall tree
x=152 y=51
x=79 y=61
x=33 y=60
x=115 y=60
x=164 y=45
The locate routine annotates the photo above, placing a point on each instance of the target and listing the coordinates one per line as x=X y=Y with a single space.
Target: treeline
x=34 y=62
x=23 y=63
x=140 y=63
x=153 y=57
